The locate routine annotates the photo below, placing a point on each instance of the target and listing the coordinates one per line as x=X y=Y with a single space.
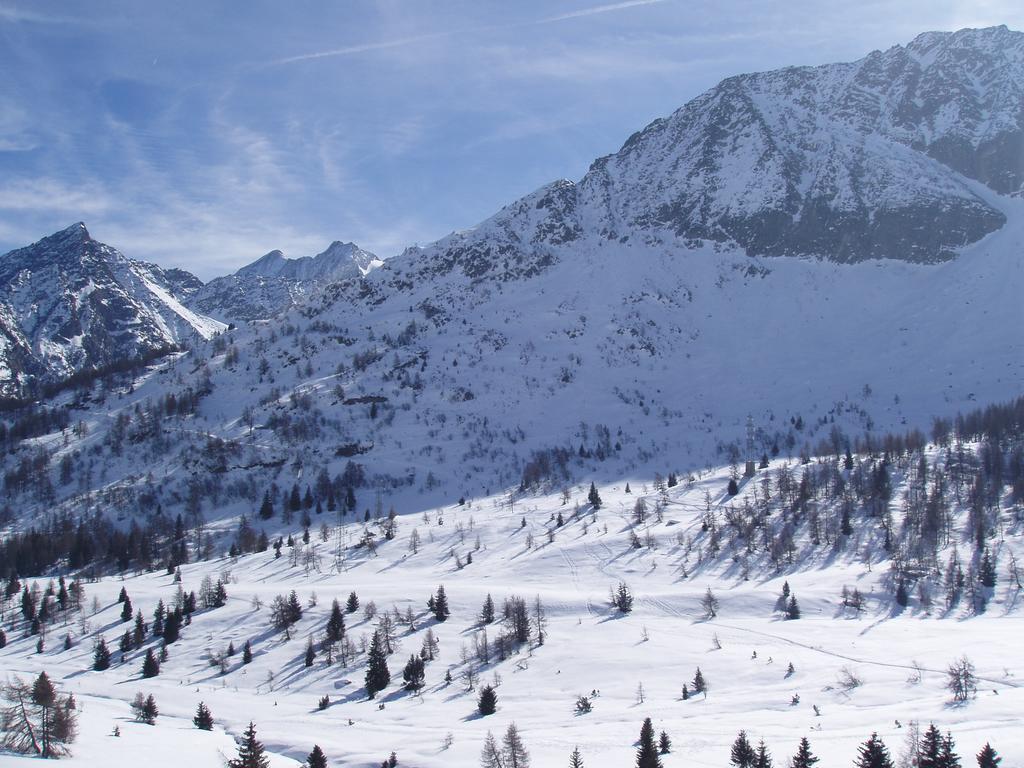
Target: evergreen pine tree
x=763 y=758
x=594 y=497
x=742 y=754
x=377 y=674
x=413 y=673
x=28 y=605
x=487 y=703
x=172 y=627
x=440 y=607
x=310 y=652
x=873 y=754
x=576 y=759
x=139 y=632
x=623 y=598
x=150 y=666
x=335 y=629
x=792 y=608
x=948 y=758
x=987 y=569
x=159 y=614
x=267 y=507
x=929 y=750
x=700 y=685
x=804 y=758
x=126 y=609
x=101 y=656
x=988 y=757
x=647 y=752
x=487 y=612
x=294 y=608
x=220 y=595
x=352 y=604
x=203 y=719
x=41 y=720
x=664 y=744
x=250 y=751
x=247 y=652
x=145 y=708
x=316 y=758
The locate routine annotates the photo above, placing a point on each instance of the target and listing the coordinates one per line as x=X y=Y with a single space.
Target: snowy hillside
x=70 y=304
x=273 y=284
x=854 y=661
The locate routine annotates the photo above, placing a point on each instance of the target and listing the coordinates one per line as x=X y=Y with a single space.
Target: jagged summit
x=872 y=159
x=335 y=262
x=269 y=263
x=274 y=283
x=69 y=303
x=78 y=229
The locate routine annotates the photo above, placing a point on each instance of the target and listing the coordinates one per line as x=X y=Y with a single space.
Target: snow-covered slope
x=778 y=679
x=69 y=303
x=273 y=284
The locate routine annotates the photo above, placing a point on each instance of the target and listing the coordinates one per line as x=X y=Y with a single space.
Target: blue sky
x=204 y=134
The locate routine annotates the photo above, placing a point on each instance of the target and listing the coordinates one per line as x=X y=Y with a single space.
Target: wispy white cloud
x=402 y=42
x=18 y=15
x=53 y=196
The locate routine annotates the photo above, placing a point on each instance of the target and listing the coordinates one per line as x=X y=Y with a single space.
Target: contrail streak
x=400 y=42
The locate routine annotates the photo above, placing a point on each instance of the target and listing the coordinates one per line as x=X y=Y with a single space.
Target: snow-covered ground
x=588 y=646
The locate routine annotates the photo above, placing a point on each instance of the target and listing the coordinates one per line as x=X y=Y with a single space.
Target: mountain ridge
x=69 y=304
x=274 y=283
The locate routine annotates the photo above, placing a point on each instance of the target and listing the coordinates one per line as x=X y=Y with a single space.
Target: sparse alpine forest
x=631 y=474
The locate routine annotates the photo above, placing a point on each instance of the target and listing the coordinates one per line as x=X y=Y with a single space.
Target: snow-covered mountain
x=845 y=162
x=69 y=303
x=726 y=261
x=566 y=323
x=273 y=284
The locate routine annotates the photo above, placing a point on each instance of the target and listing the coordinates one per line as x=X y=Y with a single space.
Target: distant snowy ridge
x=273 y=283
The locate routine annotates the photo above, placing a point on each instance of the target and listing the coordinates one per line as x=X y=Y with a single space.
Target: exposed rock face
x=69 y=303
x=844 y=162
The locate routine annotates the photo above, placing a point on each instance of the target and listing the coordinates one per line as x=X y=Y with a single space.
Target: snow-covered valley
x=899 y=655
